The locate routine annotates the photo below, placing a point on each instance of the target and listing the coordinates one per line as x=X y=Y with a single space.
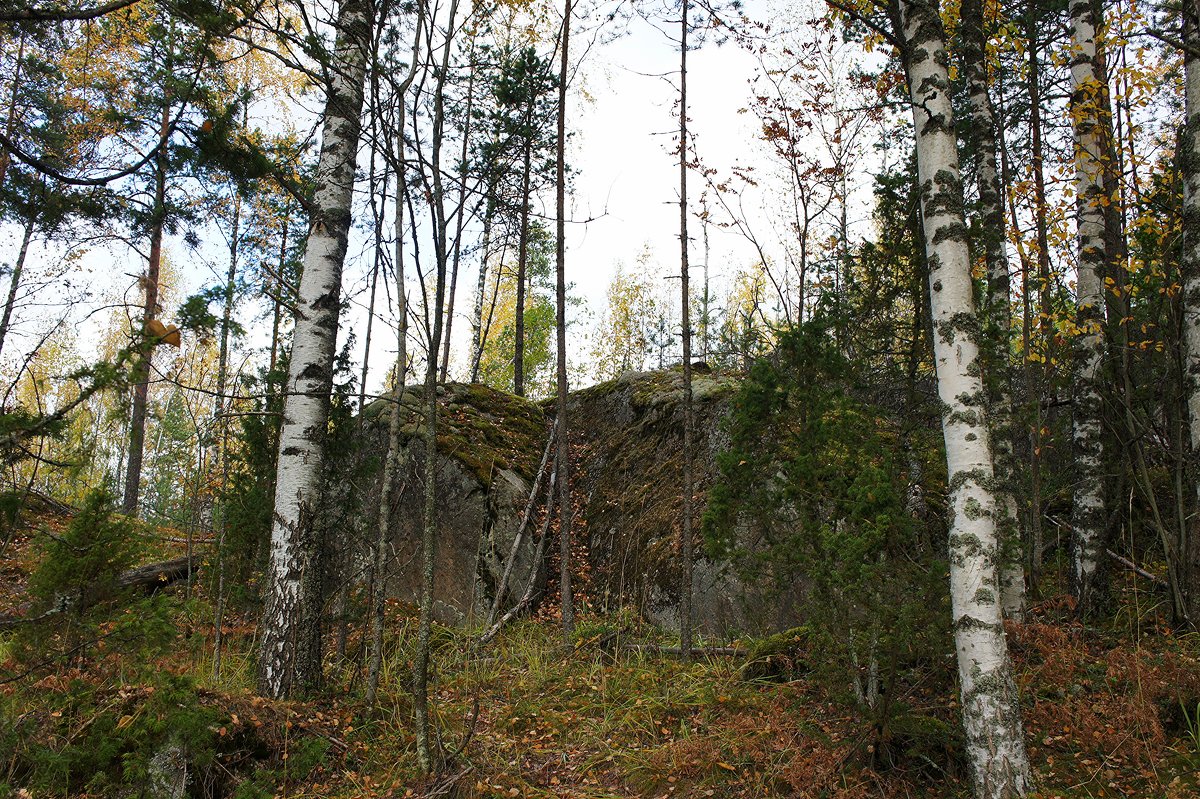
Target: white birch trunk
x=289 y=652
x=991 y=706
x=1087 y=514
x=982 y=131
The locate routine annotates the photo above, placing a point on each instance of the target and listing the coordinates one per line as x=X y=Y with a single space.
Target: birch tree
x=1087 y=512
x=289 y=649
x=990 y=703
x=998 y=315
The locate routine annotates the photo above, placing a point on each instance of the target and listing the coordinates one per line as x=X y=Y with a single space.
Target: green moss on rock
x=483 y=428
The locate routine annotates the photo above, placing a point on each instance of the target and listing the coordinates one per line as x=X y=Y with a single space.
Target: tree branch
x=51 y=14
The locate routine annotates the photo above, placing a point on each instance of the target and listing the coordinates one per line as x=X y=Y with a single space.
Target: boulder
x=626 y=437
x=630 y=473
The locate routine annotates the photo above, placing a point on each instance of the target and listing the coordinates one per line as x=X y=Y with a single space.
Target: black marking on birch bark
x=314 y=372
x=966 y=622
x=951 y=232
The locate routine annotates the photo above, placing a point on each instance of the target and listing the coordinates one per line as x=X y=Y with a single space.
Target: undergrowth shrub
x=822 y=470
x=80 y=605
x=75 y=737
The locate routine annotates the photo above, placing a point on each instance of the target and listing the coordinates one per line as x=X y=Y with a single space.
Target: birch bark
x=991 y=707
x=1087 y=513
x=289 y=651
x=998 y=315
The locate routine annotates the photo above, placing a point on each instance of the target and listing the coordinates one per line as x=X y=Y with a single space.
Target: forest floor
x=1111 y=711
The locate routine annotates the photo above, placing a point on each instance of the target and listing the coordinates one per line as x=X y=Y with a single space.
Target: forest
x=600 y=398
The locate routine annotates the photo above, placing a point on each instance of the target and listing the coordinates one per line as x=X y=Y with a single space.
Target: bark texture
x=685 y=533
x=289 y=652
x=1087 y=512
x=998 y=313
x=141 y=369
x=991 y=707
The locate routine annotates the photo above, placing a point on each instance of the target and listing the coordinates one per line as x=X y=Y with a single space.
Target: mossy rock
x=483 y=428
x=780 y=657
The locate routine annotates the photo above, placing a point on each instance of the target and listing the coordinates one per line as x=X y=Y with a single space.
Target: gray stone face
x=627 y=442
x=630 y=475
x=481 y=493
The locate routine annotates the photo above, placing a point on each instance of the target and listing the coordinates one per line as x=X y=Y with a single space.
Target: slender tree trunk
x=461 y=215
x=341 y=598
x=685 y=544
x=1087 y=513
x=14 y=282
x=998 y=315
x=562 y=463
x=477 y=333
x=141 y=369
x=522 y=276
x=990 y=703
x=429 y=751
x=222 y=414
x=290 y=646
x=706 y=318
x=1189 y=164
x=392 y=464
x=1045 y=309
x=277 y=313
x=380 y=563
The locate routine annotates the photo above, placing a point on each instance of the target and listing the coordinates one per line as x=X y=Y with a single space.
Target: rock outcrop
x=626 y=439
x=629 y=439
x=489 y=444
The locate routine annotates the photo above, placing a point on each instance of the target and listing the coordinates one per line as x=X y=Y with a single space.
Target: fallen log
x=153 y=576
x=148 y=578
x=708 y=651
